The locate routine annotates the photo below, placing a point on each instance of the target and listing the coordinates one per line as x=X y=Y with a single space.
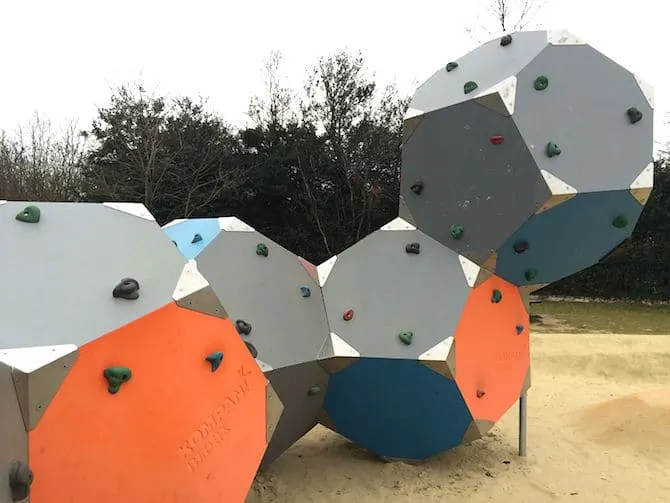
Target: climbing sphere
x=517 y=142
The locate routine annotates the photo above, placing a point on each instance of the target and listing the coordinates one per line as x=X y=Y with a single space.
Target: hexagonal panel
x=569 y=237
x=584 y=112
x=397 y=408
x=277 y=295
x=174 y=429
x=60 y=271
x=376 y=289
x=492 y=351
x=476 y=172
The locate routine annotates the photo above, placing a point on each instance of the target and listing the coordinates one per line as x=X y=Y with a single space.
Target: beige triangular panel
x=643 y=184
x=554 y=201
x=560 y=191
x=451 y=359
x=273 y=410
x=310 y=268
x=404 y=212
x=409 y=126
x=337 y=363
x=526 y=382
x=436 y=358
x=500 y=98
x=35 y=390
x=477 y=429
x=204 y=301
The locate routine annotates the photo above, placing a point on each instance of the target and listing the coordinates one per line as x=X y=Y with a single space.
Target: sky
x=62 y=58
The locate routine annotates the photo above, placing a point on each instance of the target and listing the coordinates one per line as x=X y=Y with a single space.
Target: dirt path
x=599 y=431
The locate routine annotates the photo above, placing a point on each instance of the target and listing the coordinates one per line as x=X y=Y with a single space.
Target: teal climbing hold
x=469 y=86
x=215 y=360
x=29 y=214
x=553 y=150
x=519 y=329
x=452 y=65
x=456 y=231
x=496 y=296
x=406 y=337
x=305 y=292
x=196 y=239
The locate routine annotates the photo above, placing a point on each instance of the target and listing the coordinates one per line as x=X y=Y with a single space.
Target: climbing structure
x=274 y=298
x=121 y=376
x=531 y=156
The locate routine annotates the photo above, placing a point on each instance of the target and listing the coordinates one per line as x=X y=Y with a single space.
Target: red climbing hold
x=348 y=315
x=480 y=393
x=497 y=140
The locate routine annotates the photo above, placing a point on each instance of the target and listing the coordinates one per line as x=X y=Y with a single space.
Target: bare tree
x=276 y=108
x=503 y=16
x=42 y=163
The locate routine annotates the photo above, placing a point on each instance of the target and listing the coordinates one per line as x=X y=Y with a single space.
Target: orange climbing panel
x=492 y=349
x=174 y=432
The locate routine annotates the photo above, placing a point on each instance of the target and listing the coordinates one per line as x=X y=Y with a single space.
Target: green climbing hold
x=262 y=250
x=452 y=65
x=620 y=222
x=406 y=337
x=541 y=83
x=496 y=296
x=530 y=274
x=456 y=231
x=314 y=390
x=196 y=239
x=116 y=376
x=29 y=215
x=553 y=150
x=469 y=86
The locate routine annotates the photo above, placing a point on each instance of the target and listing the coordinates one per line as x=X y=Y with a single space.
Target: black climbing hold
x=128 y=288
x=519 y=329
x=521 y=246
x=456 y=231
x=530 y=274
x=469 y=86
x=20 y=480
x=116 y=376
x=243 y=327
x=406 y=337
x=314 y=390
x=196 y=239
x=480 y=393
x=452 y=65
x=252 y=349
x=413 y=248
x=541 y=83
x=552 y=149
x=620 y=222
x=262 y=250
x=29 y=214
x=634 y=115
x=505 y=40
x=348 y=315
x=497 y=140
x=417 y=187
x=215 y=360
x=305 y=292
x=496 y=296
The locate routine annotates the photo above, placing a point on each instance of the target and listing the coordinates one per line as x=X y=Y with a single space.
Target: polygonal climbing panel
x=519 y=126
x=121 y=376
x=275 y=300
x=414 y=328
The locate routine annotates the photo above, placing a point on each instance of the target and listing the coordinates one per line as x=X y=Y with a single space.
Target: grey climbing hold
x=128 y=288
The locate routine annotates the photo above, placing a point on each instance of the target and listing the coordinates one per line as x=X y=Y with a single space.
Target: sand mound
x=640 y=422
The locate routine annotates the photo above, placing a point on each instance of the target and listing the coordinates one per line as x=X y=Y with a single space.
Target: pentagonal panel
x=569 y=237
x=60 y=272
x=302 y=389
x=584 y=112
x=193 y=235
x=13 y=436
x=274 y=294
x=387 y=291
x=477 y=174
x=397 y=408
x=175 y=430
x=492 y=349
x=487 y=66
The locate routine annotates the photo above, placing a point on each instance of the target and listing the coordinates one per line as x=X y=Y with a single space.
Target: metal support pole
x=522 y=424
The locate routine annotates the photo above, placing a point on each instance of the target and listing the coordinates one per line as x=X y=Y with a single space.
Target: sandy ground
x=599 y=431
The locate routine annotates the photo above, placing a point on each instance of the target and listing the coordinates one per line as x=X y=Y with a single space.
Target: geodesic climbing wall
x=121 y=375
x=274 y=298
